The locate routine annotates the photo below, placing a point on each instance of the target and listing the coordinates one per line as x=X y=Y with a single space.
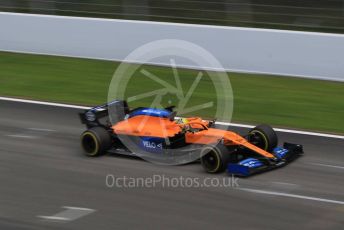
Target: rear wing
x=93 y=116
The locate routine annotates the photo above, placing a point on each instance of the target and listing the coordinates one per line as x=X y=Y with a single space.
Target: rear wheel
x=214 y=159
x=264 y=137
x=95 y=141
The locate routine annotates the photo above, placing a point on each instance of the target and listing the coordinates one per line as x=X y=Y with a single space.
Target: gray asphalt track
x=42 y=169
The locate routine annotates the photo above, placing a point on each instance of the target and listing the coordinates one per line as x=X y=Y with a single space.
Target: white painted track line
x=78 y=208
x=21 y=136
x=326 y=165
x=54 y=218
x=44 y=103
x=287 y=130
x=70 y=214
x=42 y=130
x=220 y=123
x=292 y=196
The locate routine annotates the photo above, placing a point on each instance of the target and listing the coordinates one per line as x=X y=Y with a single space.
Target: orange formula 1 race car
x=157 y=134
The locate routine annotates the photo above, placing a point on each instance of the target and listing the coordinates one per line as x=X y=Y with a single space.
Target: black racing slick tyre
x=264 y=137
x=214 y=159
x=95 y=141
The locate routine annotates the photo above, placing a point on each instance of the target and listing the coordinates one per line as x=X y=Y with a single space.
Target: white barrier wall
x=311 y=55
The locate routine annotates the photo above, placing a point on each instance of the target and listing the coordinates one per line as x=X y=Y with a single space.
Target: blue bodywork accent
x=152 y=144
x=251 y=163
x=151 y=112
x=280 y=152
x=237 y=169
x=244 y=167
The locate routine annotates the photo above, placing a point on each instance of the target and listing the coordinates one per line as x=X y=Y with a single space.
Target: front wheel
x=264 y=137
x=95 y=141
x=214 y=159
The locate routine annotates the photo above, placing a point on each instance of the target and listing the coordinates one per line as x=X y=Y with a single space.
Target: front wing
x=250 y=166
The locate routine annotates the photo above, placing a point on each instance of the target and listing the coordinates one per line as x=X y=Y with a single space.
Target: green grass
x=280 y=101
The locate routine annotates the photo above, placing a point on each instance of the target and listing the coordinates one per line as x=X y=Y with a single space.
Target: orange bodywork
x=150 y=126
